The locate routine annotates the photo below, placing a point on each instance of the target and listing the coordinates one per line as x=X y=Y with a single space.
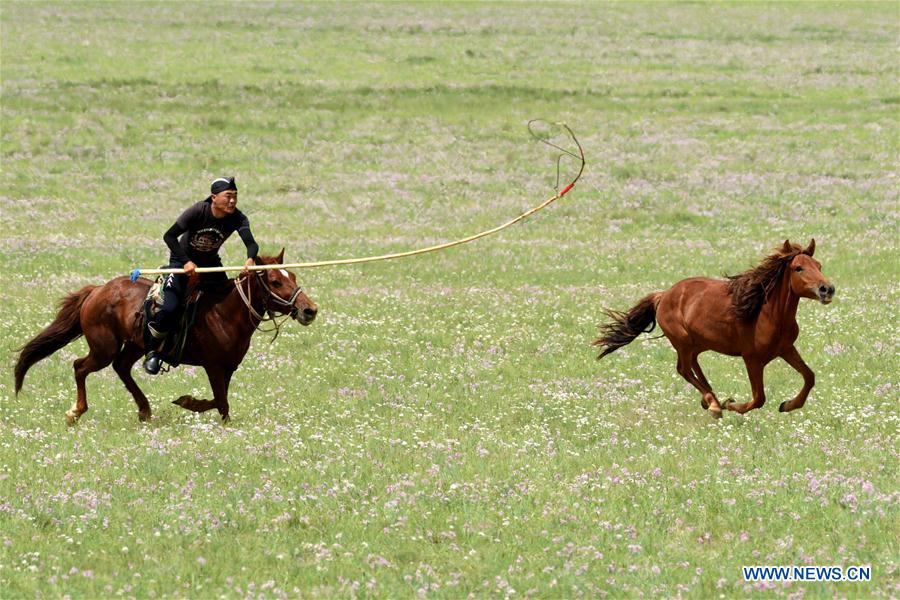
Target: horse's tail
x=626 y=326
x=65 y=328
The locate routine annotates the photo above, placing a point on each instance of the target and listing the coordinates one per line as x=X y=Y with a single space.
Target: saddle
x=172 y=348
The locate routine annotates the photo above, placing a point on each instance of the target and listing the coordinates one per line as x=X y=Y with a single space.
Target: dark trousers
x=175 y=288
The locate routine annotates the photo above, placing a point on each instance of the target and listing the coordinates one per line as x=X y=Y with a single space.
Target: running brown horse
x=226 y=318
x=751 y=315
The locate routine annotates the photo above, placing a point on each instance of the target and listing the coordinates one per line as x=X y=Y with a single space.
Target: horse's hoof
x=144 y=417
x=715 y=413
x=71 y=418
x=781 y=406
x=225 y=420
x=704 y=404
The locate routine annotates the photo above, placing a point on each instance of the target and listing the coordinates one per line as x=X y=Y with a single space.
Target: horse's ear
x=811 y=248
x=787 y=248
x=280 y=258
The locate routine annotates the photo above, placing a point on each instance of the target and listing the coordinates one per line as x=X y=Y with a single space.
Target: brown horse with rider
x=108 y=316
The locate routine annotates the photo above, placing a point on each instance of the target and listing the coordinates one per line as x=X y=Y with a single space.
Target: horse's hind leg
x=709 y=400
x=686 y=368
x=755 y=373
x=100 y=355
x=122 y=365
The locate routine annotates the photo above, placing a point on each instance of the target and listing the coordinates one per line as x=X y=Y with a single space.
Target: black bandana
x=221 y=184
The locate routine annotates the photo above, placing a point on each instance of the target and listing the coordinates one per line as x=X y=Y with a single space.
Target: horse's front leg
x=755 y=372
x=792 y=357
x=193 y=404
x=219 y=379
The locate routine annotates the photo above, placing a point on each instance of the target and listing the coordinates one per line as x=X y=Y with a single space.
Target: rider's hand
x=248 y=263
x=189 y=268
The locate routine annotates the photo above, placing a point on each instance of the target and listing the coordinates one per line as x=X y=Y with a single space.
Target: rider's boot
x=153 y=361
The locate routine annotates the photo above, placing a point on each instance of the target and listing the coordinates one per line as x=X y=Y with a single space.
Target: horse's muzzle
x=305 y=316
x=824 y=292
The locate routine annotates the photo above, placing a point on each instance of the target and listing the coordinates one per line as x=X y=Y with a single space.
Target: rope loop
x=543 y=137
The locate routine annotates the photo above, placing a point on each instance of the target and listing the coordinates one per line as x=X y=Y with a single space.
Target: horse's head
x=807 y=280
x=284 y=295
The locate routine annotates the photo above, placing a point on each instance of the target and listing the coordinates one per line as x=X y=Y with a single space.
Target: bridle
x=267 y=315
x=278 y=299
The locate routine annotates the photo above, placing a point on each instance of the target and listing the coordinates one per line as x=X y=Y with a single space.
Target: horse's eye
x=276 y=283
x=799 y=269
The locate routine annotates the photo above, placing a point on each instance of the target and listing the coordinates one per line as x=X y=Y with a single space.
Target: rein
x=261 y=318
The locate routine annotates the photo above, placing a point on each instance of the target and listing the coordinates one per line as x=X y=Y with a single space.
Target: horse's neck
x=781 y=309
x=233 y=309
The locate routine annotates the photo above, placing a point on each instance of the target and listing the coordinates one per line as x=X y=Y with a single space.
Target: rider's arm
x=182 y=224
x=244 y=231
x=252 y=246
x=171 y=239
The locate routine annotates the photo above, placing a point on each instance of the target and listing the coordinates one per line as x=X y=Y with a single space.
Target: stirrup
x=155 y=333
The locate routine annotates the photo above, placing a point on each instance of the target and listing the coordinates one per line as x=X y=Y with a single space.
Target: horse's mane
x=216 y=291
x=752 y=288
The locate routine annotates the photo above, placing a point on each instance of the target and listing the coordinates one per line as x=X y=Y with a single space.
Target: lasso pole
x=366 y=259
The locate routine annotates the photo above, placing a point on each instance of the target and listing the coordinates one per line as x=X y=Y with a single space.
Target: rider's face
x=224 y=202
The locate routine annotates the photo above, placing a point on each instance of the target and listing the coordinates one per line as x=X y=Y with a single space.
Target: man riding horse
x=194 y=241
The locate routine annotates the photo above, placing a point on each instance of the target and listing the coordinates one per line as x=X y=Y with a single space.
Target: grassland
x=443 y=429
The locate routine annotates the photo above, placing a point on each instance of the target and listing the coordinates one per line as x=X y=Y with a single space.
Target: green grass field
x=443 y=429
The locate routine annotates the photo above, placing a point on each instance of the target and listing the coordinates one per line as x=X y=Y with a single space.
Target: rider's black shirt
x=202 y=234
